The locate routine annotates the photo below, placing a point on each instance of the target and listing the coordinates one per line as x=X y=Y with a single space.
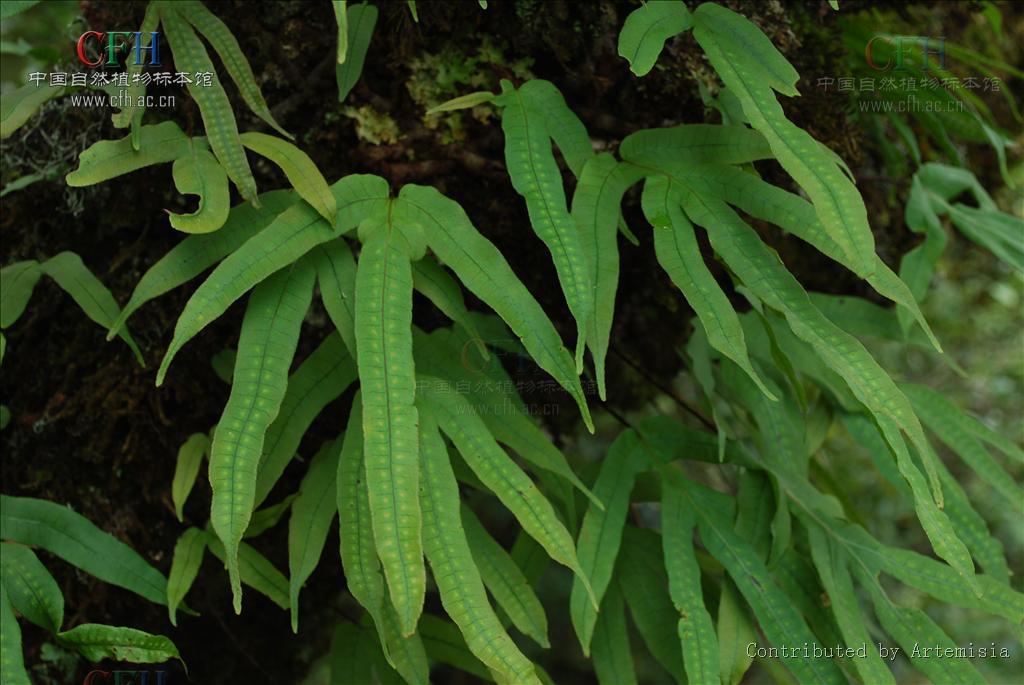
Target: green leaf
x=969 y=525
x=935 y=522
x=500 y=474
x=560 y=122
x=601 y=534
x=534 y=174
x=516 y=431
x=912 y=628
x=318 y=381
x=73 y=538
x=214 y=106
x=943 y=583
x=675 y=245
x=14 y=7
x=404 y=652
x=188 y=557
x=361 y=20
x=300 y=170
x=613 y=659
x=97 y=642
x=197 y=253
x=452 y=563
x=485 y=273
x=781 y=622
x=341 y=17
x=647 y=28
x=944 y=419
x=255 y=570
x=641 y=575
x=199 y=173
x=312 y=513
x=18 y=106
x=387 y=379
x=696 y=631
x=751 y=68
x=836 y=580
x=292 y=234
x=999 y=233
x=17 y=281
x=444 y=643
x=595 y=208
x=972 y=529
x=443 y=353
x=336 y=276
x=30 y=587
x=131 y=114
x=270 y=333
x=107 y=159
x=12 y=663
x=694 y=144
x=266 y=518
x=231 y=55
x=358 y=550
x=735 y=632
x=350 y=645
x=186 y=468
x=359 y=554
x=466 y=101
x=795 y=215
x=764 y=274
x=432 y=281
x=88 y=292
x=505 y=581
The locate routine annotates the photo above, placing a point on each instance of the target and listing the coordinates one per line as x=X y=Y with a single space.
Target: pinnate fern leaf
x=534 y=174
x=390 y=442
x=72 y=537
x=319 y=380
x=752 y=68
x=336 y=278
x=311 y=515
x=292 y=234
x=360 y=20
x=97 y=642
x=484 y=271
x=302 y=173
x=358 y=550
x=647 y=28
x=505 y=580
x=12 y=663
x=780 y=621
x=595 y=206
x=675 y=245
x=186 y=468
x=231 y=55
x=695 y=629
x=601 y=534
x=613 y=657
x=500 y=474
x=453 y=566
x=199 y=173
x=218 y=118
x=185 y=563
x=195 y=254
x=270 y=333
x=31 y=589
x=74 y=278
